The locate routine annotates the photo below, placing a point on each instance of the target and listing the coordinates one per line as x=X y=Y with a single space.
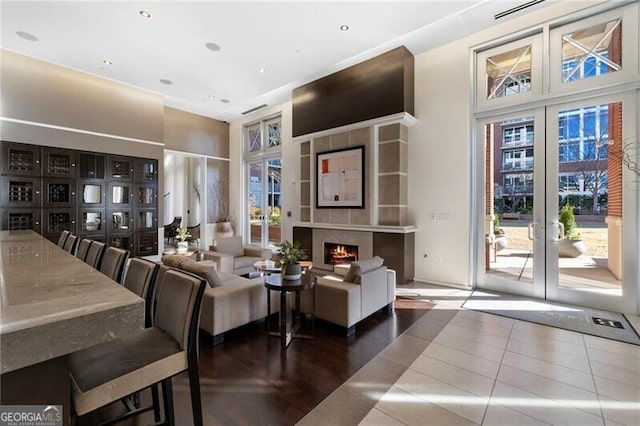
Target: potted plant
x=289 y=255
x=181 y=235
x=571 y=245
x=499 y=237
x=222 y=227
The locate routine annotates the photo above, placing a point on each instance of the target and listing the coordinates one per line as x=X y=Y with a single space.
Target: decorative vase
x=222 y=230
x=292 y=271
x=182 y=246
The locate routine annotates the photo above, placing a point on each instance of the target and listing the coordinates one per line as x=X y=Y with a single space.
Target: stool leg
x=156 y=403
x=194 y=384
x=167 y=394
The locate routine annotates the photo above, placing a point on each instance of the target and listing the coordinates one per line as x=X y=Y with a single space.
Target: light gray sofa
x=229 y=301
x=351 y=293
x=231 y=256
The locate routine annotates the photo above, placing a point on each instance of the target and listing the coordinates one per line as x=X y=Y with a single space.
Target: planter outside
x=501 y=242
x=571 y=248
x=182 y=246
x=292 y=271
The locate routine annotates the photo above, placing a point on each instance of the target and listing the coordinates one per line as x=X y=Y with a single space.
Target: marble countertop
x=54 y=304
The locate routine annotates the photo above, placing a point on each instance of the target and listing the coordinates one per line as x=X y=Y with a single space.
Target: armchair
x=231 y=256
x=171 y=230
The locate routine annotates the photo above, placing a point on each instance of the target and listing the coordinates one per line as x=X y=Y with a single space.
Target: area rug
x=595 y=322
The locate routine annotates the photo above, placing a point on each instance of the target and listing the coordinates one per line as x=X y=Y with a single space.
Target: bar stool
x=95 y=253
x=70 y=244
x=113 y=370
x=83 y=248
x=113 y=263
x=63 y=238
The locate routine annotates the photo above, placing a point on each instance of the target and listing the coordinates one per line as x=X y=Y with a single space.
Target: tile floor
x=462 y=367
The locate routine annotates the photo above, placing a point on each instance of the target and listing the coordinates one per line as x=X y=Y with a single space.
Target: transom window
x=592 y=51
x=263 y=136
x=509 y=73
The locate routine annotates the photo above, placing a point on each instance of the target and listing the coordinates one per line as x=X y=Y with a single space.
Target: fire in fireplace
x=335 y=254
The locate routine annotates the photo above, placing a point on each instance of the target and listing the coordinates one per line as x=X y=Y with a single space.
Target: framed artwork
x=340 y=178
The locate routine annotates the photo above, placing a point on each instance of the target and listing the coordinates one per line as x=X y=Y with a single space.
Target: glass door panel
x=585 y=198
x=511 y=221
x=265 y=212
x=256 y=202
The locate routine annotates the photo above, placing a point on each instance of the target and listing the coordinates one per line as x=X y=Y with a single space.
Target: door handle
x=530 y=231
x=560 y=236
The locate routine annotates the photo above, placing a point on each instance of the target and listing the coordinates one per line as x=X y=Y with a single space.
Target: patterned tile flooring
x=463 y=367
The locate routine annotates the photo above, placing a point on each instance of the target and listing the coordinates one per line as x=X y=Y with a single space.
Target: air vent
x=254 y=109
x=517 y=8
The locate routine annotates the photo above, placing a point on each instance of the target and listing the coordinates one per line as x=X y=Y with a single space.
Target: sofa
x=230 y=301
x=233 y=257
x=351 y=293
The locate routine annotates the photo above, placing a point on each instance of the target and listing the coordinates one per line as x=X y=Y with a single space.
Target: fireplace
x=335 y=254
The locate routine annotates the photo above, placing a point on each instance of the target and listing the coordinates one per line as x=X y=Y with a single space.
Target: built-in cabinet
x=109 y=198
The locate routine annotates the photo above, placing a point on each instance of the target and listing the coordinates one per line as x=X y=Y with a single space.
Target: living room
x=428 y=203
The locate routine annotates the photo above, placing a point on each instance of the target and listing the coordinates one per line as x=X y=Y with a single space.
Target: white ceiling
x=294 y=42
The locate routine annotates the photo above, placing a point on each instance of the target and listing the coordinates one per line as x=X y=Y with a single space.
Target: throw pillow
x=231 y=245
x=361 y=266
x=206 y=272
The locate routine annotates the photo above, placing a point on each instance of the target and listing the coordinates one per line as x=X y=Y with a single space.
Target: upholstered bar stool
x=95 y=253
x=63 y=238
x=140 y=279
x=70 y=244
x=113 y=370
x=83 y=248
x=113 y=263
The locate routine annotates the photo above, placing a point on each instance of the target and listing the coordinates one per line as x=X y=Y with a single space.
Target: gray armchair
x=233 y=257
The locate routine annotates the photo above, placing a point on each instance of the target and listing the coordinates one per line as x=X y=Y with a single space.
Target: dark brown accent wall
x=397 y=250
x=375 y=88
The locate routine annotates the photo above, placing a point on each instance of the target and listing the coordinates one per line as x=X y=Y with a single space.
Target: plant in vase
x=181 y=235
x=571 y=245
x=289 y=255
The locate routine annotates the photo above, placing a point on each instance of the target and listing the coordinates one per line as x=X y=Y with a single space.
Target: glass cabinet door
x=20 y=159
x=146 y=195
x=146 y=170
x=91 y=194
x=146 y=243
x=21 y=219
x=91 y=166
x=146 y=220
x=58 y=220
x=60 y=163
x=59 y=193
x=120 y=168
x=91 y=221
x=119 y=195
x=120 y=221
x=18 y=191
x=121 y=241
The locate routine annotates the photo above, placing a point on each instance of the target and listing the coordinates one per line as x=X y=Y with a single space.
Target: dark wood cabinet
x=20 y=159
x=21 y=219
x=20 y=191
x=146 y=170
x=59 y=192
x=58 y=163
x=120 y=168
x=91 y=165
x=108 y=198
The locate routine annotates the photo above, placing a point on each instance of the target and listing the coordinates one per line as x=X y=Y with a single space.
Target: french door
x=264 y=201
x=557 y=214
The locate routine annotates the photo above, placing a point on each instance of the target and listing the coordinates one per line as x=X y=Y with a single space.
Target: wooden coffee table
x=276 y=283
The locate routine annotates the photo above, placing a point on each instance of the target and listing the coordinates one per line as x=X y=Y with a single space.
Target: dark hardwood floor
x=247 y=381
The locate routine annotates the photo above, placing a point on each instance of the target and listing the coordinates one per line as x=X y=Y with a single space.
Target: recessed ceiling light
x=344 y=28
x=261 y=70
x=212 y=46
x=145 y=14
x=165 y=81
x=107 y=62
x=26 y=36
x=225 y=101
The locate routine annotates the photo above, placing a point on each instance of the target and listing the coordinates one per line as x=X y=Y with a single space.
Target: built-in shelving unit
x=109 y=198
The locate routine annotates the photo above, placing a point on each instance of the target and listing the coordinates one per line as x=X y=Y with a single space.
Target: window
x=592 y=51
x=583 y=134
